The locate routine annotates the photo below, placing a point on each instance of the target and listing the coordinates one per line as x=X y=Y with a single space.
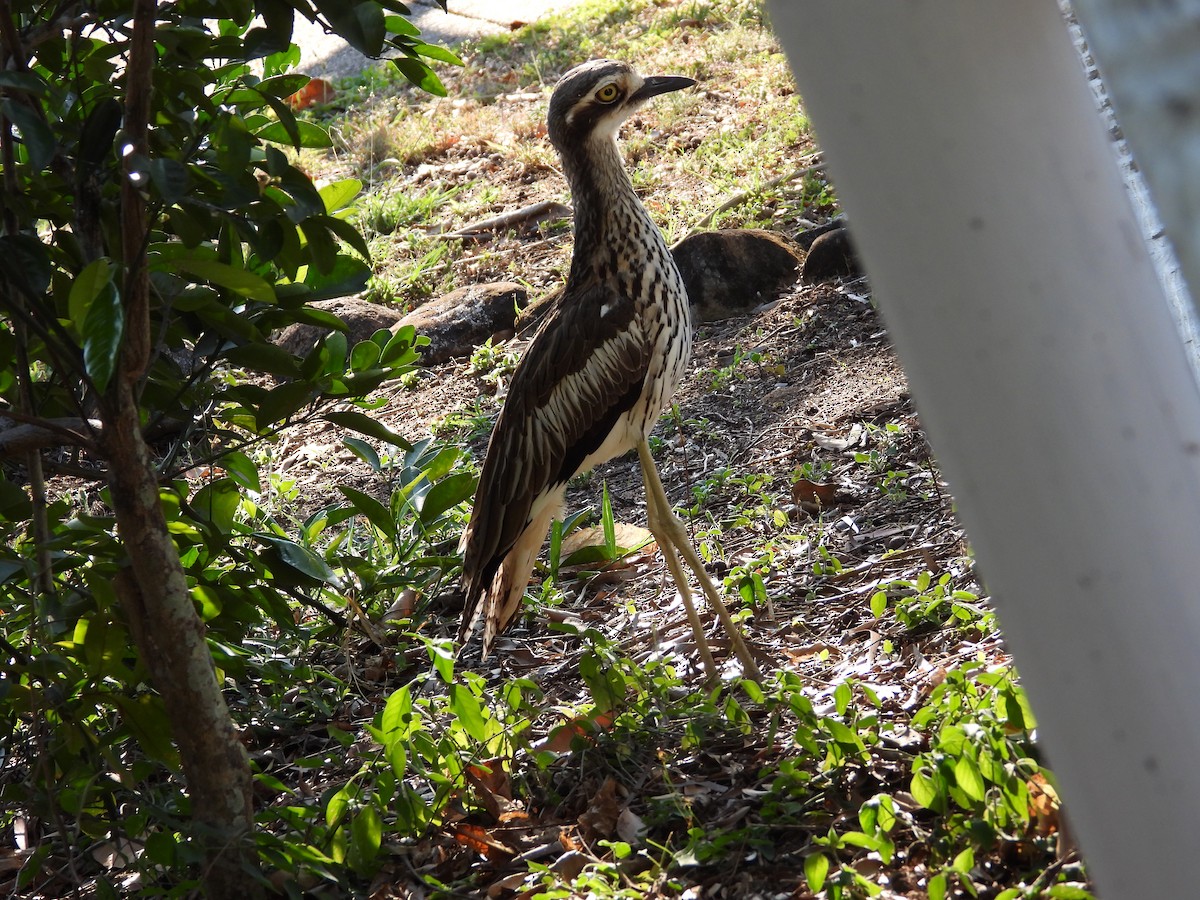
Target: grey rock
x=728 y=273
x=460 y=321
x=805 y=238
x=830 y=256
x=362 y=320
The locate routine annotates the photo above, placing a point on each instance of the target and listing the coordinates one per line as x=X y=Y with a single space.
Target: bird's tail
x=500 y=600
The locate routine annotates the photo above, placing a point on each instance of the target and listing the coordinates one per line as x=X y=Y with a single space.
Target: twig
x=313 y=603
x=740 y=197
x=478 y=230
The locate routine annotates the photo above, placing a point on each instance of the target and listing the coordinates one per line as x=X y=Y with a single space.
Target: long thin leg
x=674 y=542
x=658 y=523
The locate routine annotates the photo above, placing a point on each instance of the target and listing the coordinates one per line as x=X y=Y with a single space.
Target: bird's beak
x=660 y=84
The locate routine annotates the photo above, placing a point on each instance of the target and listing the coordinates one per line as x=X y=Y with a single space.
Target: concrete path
x=328 y=56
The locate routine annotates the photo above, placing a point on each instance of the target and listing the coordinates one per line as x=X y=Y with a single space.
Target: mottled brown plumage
x=596 y=376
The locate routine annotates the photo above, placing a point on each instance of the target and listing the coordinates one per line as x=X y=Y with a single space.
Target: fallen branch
x=543 y=209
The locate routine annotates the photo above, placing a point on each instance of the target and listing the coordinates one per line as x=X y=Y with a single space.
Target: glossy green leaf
x=247 y=284
x=842 y=695
x=607 y=523
x=162 y=848
x=374 y=511
x=299 y=187
x=364 y=424
x=217 y=503
x=301 y=559
x=348 y=233
x=348 y=276
x=190 y=230
x=282 y=85
x=365 y=452
x=102 y=330
x=25 y=82
x=400 y=349
x=967 y=776
x=208 y=600
x=338 y=807
x=964 y=861
x=449 y=492
x=320 y=243
x=170 y=178
x=435 y=51
x=441 y=654
x=340 y=194
x=87 y=285
x=467 y=710
x=840 y=732
x=366 y=836
x=260 y=357
x=1068 y=892
x=36 y=134
x=308 y=135
x=604 y=682
x=924 y=789
x=282 y=402
x=241 y=469
x=396 y=712
x=816 y=869
x=400 y=25
x=364 y=355
x=360 y=22
x=420 y=74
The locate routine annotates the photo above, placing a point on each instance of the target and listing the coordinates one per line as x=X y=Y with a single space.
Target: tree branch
x=22 y=433
x=135 y=354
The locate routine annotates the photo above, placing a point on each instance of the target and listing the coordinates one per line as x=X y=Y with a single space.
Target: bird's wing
x=582 y=371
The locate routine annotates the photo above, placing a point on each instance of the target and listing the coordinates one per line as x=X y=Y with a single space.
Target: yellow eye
x=607 y=94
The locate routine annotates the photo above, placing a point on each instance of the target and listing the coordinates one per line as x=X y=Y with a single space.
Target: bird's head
x=593 y=99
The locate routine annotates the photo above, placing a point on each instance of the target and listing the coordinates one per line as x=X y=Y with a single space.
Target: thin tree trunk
x=170 y=638
x=153 y=589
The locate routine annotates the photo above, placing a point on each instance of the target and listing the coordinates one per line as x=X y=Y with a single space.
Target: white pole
x=991 y=217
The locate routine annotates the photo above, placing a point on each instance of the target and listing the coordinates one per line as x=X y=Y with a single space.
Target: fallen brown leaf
x=600 y=819
x=493 y=775
x=628 y=537
x=1043 y=805
x=562 y=737
x=480 y=840
x=318 y=90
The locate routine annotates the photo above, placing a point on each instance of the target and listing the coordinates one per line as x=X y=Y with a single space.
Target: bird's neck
x=606 y=206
